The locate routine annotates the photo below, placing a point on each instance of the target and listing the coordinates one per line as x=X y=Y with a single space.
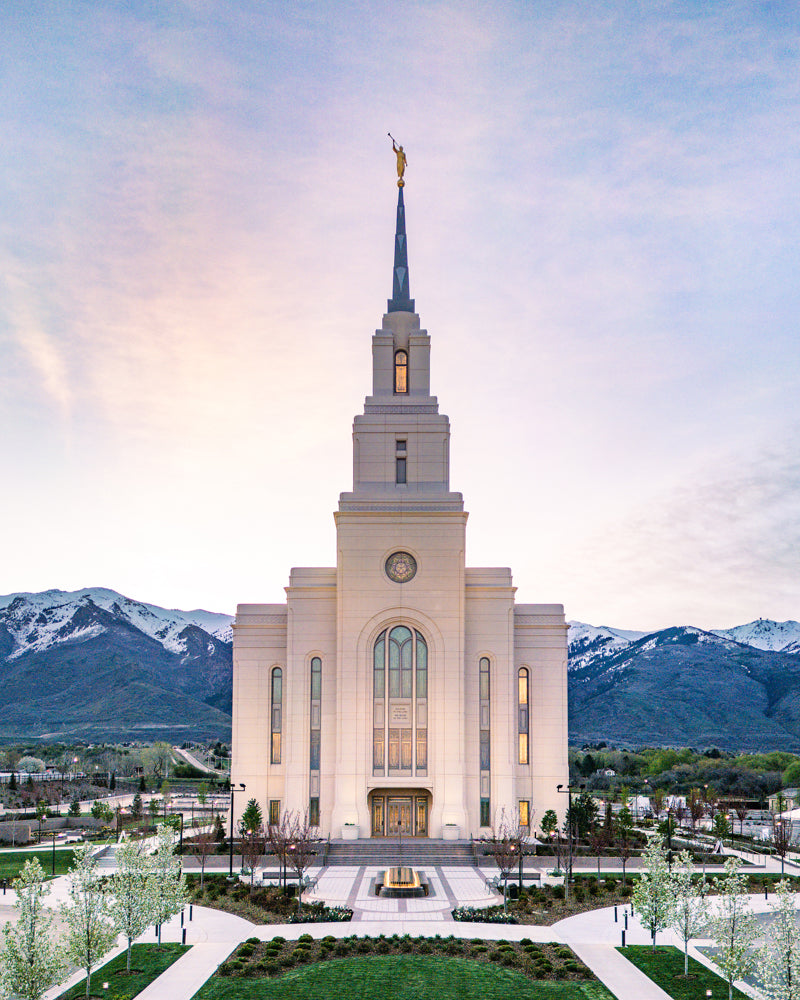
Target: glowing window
x=401 y=372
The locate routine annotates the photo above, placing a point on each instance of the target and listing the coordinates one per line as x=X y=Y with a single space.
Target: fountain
x=401 y=881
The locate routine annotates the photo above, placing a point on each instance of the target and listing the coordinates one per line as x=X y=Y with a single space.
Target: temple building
x=401 y=690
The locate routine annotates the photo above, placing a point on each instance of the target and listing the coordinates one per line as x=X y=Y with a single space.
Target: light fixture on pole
x=241 y=787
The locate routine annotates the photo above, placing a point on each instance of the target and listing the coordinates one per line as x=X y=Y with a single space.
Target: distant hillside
x=687 y=687
x=96 y=665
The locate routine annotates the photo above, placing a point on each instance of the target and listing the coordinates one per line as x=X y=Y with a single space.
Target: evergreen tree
x=252 y=818
x=689 y=916
x=653 y=894
x=30 y=960
x=74 y=806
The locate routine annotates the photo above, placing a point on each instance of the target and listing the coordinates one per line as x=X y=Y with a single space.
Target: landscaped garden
x=148 y=961
x=259 y=904
x=401 y=967
x=665 y=968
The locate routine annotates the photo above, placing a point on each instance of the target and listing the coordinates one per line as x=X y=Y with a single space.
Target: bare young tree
x=204 y=844
x=781 y=836
x=696 y=807
x=506 y=847
x=740 y=808
x=293 y=841
x=301 y=848
x=657 y=797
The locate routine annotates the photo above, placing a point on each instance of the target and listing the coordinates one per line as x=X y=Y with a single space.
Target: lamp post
x=570 y=820
x=241 y=787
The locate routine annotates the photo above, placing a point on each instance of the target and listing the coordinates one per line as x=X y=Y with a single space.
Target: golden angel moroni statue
x=401 y=161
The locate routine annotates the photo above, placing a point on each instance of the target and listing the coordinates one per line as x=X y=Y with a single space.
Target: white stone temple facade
x=401 y=688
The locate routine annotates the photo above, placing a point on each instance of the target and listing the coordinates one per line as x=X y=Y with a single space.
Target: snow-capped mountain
x=591 y=643
x=38 y=621
x=766 y=634
x=586 y=642
x=97 y=664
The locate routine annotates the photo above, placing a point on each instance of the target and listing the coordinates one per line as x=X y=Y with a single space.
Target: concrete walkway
x=213 y=935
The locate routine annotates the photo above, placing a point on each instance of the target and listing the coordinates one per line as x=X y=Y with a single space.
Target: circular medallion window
x=401 y=567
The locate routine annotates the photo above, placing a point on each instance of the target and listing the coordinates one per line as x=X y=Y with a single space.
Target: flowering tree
x=169 y=886
x=30 y=960
x=652 y=895
x=689 y=906
x=779 y=959
x=131 y=900
x=733 y=927
x=90 y=933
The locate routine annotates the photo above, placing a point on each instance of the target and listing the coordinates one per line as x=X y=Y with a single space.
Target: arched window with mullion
x=400 y=702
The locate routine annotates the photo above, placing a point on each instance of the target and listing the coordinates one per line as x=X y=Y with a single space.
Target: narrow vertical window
x=274 y=812
x=525 y=813
x=276 y=715
x=484 y=731
x=400 y=474
x=523 y=715
x=401 y=372
x=313 y=811
x=315 y=735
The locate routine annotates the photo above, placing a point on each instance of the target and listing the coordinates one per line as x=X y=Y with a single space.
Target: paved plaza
x=213 y=935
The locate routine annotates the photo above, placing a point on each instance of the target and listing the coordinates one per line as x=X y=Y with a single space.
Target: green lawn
x=665 y=968
x=147 y=963
x=400 y=977
x=12 y=861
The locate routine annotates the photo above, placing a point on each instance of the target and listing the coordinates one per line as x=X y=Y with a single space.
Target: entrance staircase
x=386 y=852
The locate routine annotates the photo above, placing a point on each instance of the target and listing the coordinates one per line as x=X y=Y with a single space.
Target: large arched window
x=400 y=703
x=401 y=371
x=276 y=715
x=523 y=695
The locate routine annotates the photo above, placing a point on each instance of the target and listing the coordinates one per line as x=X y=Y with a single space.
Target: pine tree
x=30 y=960
x=689 y=916
x=733 y=927
x=653 y=895
x=779 y=959
x=90 y=933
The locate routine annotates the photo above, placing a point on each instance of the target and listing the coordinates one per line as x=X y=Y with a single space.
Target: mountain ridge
x=102 y=665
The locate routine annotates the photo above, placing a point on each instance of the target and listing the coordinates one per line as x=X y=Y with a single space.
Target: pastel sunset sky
x=197 y=206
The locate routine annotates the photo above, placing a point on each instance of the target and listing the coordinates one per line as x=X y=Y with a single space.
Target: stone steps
x=386 y=853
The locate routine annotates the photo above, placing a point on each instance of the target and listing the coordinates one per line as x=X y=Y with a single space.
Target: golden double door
x=399 y=815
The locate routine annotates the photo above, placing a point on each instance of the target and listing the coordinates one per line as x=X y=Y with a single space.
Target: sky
x=197 y=205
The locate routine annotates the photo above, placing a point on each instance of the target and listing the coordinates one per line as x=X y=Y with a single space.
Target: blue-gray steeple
x=400 y=300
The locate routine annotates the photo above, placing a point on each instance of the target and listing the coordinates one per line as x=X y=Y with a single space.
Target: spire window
x=401 y=372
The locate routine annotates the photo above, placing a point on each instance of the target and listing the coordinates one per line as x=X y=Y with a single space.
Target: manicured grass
x=147 y=963
x=12 y=861
x=400 y=977
x=665 y=968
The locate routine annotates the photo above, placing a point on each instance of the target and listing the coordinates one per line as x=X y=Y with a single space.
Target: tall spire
x=400 y=300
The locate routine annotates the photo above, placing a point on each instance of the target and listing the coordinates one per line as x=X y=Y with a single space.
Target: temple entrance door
x=422 y=815
x=400 y=818
x=378 y=829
